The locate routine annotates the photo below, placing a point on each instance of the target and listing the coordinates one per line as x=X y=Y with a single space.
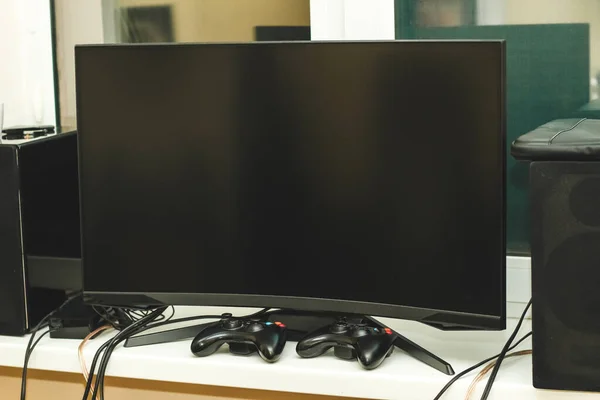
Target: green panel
x=404 y=18
x=547 y=77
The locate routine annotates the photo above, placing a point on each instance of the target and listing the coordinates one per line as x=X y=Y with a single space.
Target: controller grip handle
x=206 y=346
x=315 y=350
x=270 y=346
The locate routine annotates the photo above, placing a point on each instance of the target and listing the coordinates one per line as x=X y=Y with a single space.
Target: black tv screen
x=360 y=177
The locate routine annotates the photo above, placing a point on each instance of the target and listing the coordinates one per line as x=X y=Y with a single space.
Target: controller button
x=279 y=324
x=232 y=323
x=388 y=331
x=268 y=323
x=376 y=330
x=255 y=327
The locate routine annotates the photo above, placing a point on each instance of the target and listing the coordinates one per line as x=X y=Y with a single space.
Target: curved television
x=350 y=177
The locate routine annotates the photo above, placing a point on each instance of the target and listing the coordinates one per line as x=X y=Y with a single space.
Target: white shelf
x=399 y=377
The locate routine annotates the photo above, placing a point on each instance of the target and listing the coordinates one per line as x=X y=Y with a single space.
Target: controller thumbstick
x=232 y=323
x=339 y=327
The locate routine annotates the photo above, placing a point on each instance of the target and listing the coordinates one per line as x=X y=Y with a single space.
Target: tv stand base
x=299 y=324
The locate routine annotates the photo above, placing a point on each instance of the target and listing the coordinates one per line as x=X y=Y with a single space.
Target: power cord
x=501 y=354
x=90 y=336
x=151 y=320
x=490 y=382
x=27 y=356
x=487 y=369
x=120 y=318
x=28 y=352
x=121 y=336
x=170 y=321
x=107 y=349
x=31 y=344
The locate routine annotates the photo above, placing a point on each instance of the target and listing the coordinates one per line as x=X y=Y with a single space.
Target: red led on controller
x=388 y=331
x=279 y=324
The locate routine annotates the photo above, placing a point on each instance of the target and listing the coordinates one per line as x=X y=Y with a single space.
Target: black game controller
x=369 y=344
x=244 y=336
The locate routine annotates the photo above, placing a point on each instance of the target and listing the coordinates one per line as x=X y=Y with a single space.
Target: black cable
x=112 y=344
x=184 y=319
x=199 y=317
x=129 y=331
x=88 y=385
x=28 y=351
x=119 y=318
x=172 y=314
x=28 y=355
x=490 y=382
x=38 y=340
x=103 y=347
x=107 y=317
x=93 y=365
x=30 y=345
x=471 y=368
x=142 y=323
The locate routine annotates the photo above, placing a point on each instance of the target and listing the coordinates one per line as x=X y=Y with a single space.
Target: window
x=553 y=63
x=156 y=21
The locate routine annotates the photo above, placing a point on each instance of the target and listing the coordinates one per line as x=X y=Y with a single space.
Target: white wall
x=26 y=67
x=352 y=19
x=77 y=22
x=491 y=12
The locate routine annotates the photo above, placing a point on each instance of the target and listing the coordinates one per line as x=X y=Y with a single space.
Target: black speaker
x=565 y=247
x=40 y=247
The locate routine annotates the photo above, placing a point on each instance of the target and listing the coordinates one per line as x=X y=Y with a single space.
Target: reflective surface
x=154 y=21
x=354 y=171
x=149 y=21
x=552 y=68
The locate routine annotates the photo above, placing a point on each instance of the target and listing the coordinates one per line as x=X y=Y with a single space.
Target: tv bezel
x=442 y=319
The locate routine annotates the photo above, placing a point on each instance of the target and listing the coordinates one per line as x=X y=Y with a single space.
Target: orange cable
x=84 y=369
x=487 y=369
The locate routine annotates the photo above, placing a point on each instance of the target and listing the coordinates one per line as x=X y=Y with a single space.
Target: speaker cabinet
x=39 y=228
x=565 y=246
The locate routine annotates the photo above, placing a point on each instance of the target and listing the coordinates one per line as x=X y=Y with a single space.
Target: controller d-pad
x=232 y=323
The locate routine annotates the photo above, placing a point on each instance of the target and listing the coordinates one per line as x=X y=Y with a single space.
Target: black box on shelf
x=39 y=229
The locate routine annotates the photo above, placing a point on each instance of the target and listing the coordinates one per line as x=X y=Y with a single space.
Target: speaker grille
x=566 y=274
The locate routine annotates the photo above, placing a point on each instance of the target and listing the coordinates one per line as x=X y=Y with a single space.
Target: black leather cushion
x=571 y=139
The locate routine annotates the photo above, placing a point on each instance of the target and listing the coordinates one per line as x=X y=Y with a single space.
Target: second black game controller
x=368 y=344
x=244 y=336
